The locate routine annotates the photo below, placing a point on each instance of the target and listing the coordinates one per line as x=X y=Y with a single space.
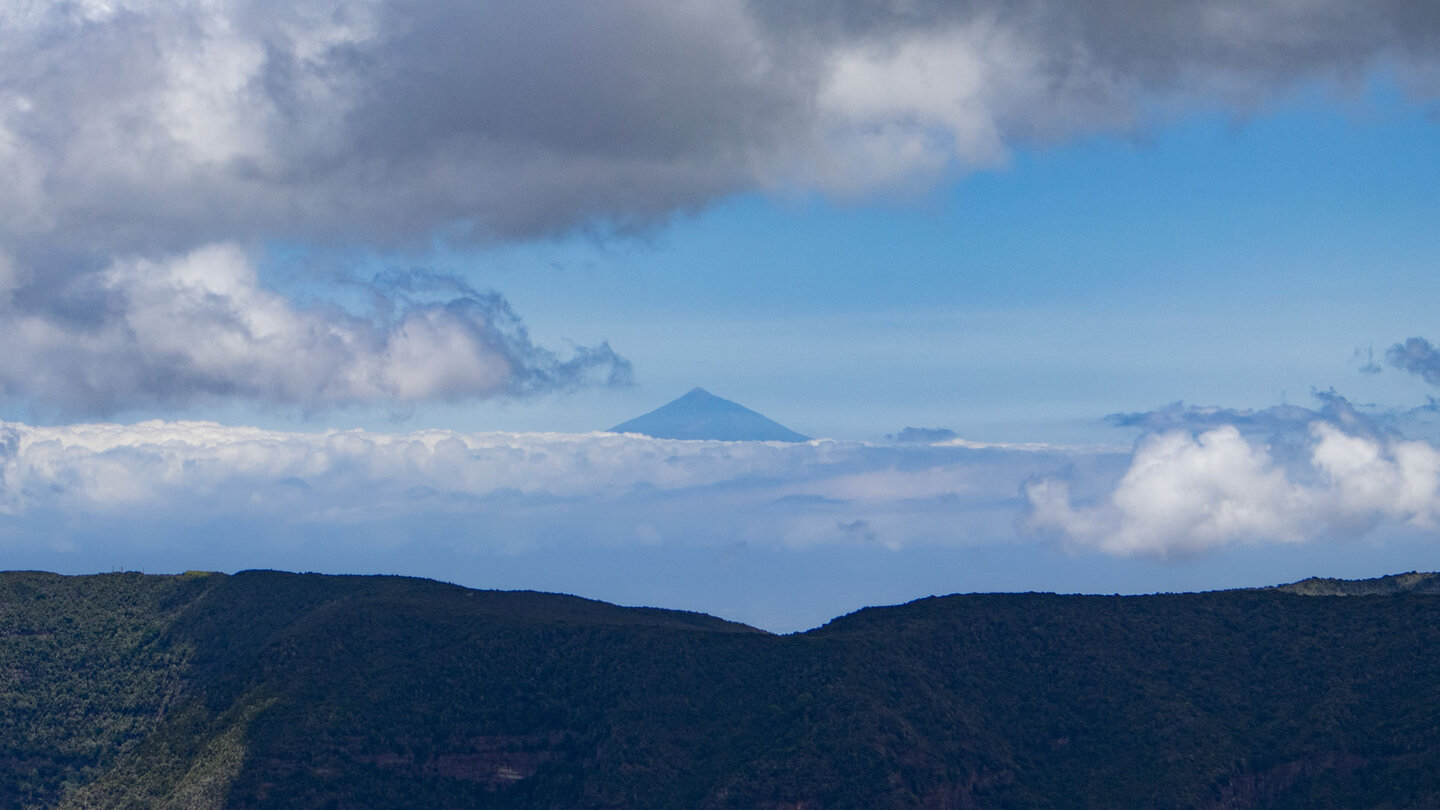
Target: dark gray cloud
x=1153 y=42
x=138 y=126
x=1052 y=68
x=1275 y=421
x=1418 y=357
x=144 y=126
x=1287 y=428
x=914 y=435
x=1179 y=416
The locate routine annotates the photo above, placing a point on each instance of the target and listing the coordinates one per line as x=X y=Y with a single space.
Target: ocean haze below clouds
x=780 y=590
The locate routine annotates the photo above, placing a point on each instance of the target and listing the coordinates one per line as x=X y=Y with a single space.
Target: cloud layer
x=1178 y=493
x=513 y=490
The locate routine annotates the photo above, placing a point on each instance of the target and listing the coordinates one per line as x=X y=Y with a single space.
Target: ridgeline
x=266 y=689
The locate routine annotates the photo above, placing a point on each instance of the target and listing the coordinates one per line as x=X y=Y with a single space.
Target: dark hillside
x=279 y=690
x=1413 y=582
x=83 y=674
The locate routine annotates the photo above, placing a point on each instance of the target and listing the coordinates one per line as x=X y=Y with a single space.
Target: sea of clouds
x=1176 y=492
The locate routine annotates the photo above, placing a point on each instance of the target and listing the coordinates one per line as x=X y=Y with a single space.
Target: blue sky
x=1225 y=258
x=349 y=287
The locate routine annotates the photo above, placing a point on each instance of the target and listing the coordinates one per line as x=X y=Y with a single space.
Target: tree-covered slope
x=1413 y=582
x=84 y=676
x=265 y=689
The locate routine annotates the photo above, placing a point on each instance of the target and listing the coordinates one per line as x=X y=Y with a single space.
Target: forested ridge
x=266 y=689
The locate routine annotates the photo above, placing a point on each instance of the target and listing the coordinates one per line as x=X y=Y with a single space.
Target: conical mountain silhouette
x=702 y=415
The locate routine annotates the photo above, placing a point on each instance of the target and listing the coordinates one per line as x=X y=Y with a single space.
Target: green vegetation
x=265 y=689
x=1413 y=582
x=84 y=676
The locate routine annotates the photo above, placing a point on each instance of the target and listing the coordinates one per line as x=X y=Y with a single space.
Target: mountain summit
x=702 y=415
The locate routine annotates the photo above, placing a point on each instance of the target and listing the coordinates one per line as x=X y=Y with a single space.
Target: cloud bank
x=490 y=491
x=1178 y=493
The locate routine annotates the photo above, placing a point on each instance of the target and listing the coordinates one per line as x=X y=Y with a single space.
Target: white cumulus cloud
x=200 y=327
x=1185 y=493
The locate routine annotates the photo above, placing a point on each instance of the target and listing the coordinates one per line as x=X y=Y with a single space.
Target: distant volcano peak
x=700 y=414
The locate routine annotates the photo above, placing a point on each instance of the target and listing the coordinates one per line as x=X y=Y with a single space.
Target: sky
x=354 y=287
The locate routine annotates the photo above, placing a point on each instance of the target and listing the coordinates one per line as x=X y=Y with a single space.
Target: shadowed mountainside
x=265 y=689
